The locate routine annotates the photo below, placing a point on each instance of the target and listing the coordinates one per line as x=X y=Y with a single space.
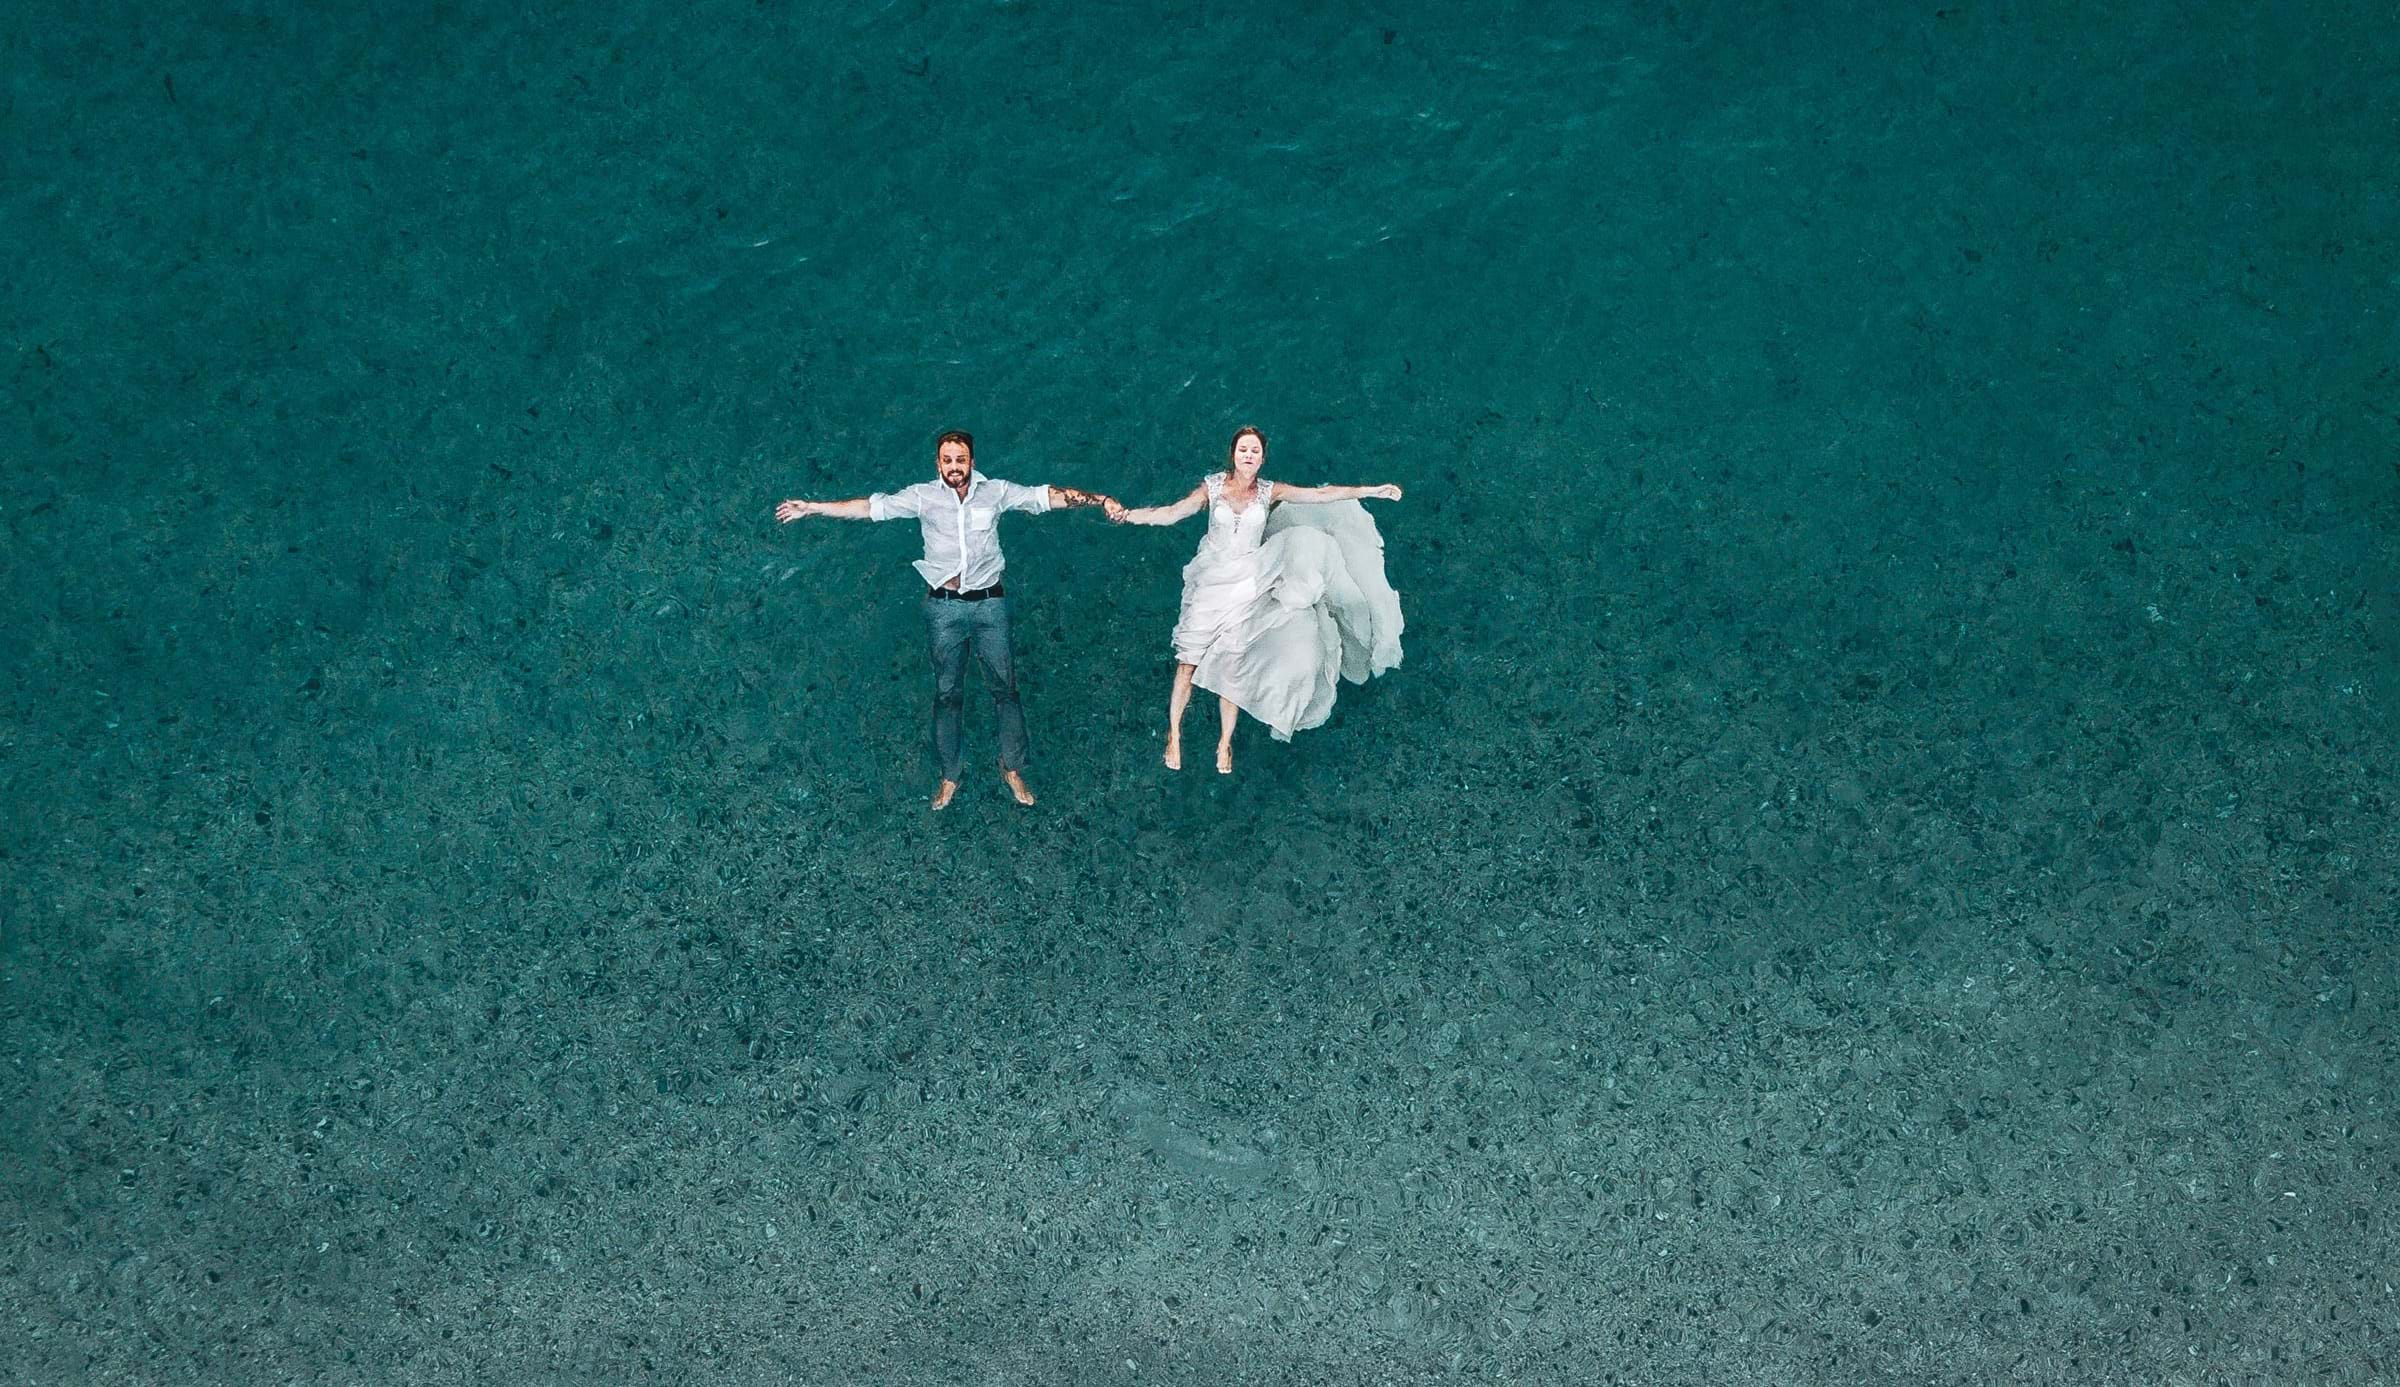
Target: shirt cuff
x=879 y=507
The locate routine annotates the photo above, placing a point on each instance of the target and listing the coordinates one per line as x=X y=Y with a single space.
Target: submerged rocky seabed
x=1878 y=865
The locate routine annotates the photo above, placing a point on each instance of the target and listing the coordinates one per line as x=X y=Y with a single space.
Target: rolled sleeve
x=1024 y=498
x=904 y=504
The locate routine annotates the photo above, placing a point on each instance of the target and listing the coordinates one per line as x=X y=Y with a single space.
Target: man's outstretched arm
x=853 y=509
x=1069 y=496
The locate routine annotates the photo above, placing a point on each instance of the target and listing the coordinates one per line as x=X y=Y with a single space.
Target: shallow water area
x=1877 y=865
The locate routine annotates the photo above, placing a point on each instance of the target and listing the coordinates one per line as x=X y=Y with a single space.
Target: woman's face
x=1248 y=455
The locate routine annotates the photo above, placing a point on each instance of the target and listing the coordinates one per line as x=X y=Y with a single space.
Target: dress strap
x=1215 y=482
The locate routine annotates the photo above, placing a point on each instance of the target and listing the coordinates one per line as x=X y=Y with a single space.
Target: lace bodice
x=1231 y=531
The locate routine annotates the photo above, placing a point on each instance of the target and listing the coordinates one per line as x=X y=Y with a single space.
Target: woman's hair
x=1245 y=431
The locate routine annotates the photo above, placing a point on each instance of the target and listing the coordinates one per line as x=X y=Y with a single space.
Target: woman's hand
x=1386 y=492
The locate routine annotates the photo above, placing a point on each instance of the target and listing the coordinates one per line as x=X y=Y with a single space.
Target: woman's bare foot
x=1016 y=785
x=941 y=797
x=1224 y=760
x=1174 y=756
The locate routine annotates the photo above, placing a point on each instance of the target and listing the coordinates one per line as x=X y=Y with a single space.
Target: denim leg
x=994 y=653
x=947 y=627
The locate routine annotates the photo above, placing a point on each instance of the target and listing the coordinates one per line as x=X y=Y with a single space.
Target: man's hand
x=790 y=511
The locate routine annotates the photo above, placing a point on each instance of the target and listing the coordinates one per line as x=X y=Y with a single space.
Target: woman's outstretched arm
x=1163 y=515
x=1287 y=492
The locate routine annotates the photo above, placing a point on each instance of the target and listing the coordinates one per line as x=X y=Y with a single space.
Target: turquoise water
x=1877 y=865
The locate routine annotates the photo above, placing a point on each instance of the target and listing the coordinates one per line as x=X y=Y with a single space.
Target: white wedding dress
x=1280 y=605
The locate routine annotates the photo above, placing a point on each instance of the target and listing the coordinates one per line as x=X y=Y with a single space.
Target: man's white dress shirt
x=962 y=533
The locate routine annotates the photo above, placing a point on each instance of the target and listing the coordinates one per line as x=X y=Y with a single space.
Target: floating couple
x=1282 y=602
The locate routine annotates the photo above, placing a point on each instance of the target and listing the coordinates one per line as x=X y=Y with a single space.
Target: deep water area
x=1877 y=866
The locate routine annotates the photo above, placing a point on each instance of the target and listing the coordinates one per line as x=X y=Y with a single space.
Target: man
x=964 y=606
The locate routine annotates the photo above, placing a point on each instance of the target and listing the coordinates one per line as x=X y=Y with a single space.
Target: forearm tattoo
x=1069 y=496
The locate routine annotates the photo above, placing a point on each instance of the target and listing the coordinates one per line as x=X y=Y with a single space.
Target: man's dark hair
x=956 y=436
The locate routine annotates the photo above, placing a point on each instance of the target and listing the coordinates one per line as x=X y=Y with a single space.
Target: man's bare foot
x=1224 y=760
x=1016 y=786
x=1174 y=755
x=941 y=797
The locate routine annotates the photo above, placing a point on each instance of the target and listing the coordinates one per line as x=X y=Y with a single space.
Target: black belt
x=973 y=595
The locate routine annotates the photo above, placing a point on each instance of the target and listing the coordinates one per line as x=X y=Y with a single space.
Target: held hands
x=1114 y=509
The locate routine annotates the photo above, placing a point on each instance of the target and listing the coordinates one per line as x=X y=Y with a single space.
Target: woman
x=1279 y=605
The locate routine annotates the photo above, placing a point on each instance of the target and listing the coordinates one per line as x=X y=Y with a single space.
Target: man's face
x=955 y=464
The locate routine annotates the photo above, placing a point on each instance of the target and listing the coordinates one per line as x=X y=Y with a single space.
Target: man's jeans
x=953 y=628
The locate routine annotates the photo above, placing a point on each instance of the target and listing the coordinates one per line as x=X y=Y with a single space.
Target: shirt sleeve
x=905 y=504
x=1028 y=498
